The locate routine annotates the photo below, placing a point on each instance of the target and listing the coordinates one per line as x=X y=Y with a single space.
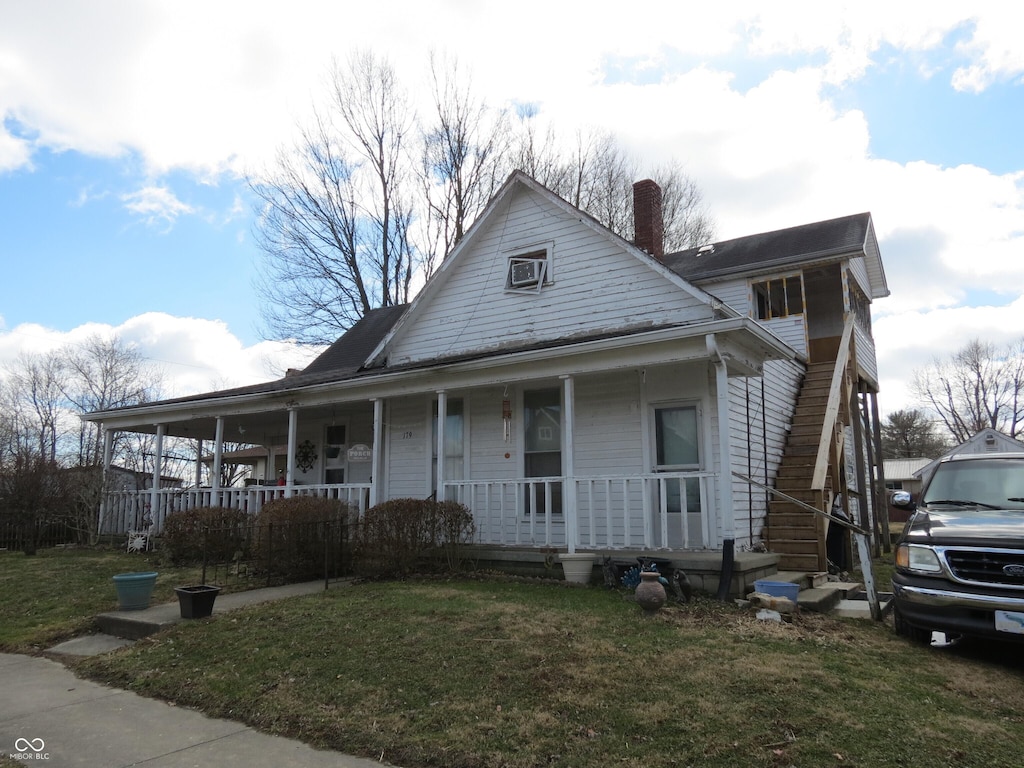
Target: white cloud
x=218 y=86
x=192 y=355
x=156 y=205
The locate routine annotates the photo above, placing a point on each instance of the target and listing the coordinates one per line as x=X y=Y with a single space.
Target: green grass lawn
x=496 y=672
x=55 y=594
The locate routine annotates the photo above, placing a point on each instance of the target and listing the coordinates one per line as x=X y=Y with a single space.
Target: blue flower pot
x=134 y=590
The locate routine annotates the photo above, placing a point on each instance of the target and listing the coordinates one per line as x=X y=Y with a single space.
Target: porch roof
x=260 y=409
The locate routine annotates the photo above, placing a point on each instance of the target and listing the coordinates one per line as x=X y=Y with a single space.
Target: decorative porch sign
x=360 y=452
x=305 y=456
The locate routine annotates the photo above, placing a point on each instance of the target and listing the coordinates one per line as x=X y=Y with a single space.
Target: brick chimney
x=648 y=226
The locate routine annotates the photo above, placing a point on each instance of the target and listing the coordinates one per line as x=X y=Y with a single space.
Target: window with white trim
x=677 y=449
x=529 y=270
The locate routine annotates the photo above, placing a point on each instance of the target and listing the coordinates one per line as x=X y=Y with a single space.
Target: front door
x=677 y=449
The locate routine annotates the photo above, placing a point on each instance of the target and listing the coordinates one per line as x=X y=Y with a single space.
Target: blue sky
x=123 y=152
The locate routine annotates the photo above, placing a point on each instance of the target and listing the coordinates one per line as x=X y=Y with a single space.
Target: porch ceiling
x=265 y=428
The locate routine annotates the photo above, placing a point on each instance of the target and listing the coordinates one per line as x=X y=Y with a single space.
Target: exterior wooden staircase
x=796 y=533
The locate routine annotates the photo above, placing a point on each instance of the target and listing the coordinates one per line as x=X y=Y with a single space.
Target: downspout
x=725 y=468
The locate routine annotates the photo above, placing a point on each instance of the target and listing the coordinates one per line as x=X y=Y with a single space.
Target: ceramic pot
x=650 y=593
x=577 y=567
x=134 y=589
x=196 y=602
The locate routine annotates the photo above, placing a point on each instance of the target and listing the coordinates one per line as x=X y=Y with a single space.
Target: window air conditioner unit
x=526 y=272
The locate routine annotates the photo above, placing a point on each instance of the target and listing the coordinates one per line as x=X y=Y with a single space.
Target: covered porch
x=596 y=446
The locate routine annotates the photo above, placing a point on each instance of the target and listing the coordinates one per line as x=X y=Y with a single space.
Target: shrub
x=293 y=539
x=393 y=536
x=223 y=532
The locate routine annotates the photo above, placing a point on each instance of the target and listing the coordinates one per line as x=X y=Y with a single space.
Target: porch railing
x=125 y=511
x=668 y=510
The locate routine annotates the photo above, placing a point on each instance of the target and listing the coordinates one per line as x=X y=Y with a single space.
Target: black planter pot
x=196 y=602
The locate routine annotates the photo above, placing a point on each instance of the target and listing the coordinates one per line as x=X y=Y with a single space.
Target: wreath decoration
x=305 y=456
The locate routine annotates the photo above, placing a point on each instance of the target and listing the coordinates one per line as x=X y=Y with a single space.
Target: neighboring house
x=263 y=464
x=901 y=475
x=986 y=441
x=594 y=394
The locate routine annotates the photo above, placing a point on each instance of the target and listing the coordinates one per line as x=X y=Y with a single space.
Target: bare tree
x=911 y=434
x=34 y=403
x=314 y=282
x=536 y=152
x=980 y=386
x=464 y=150
x=102 y=374
x=597 y=176
x=369 y=197
x=334 y=213
x=688 y=222
x=49 y=458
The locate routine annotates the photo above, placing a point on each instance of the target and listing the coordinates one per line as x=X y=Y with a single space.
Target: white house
x=986 y=441
x=594 y=394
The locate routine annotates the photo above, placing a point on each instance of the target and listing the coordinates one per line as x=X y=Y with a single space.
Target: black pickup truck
x=960 y=558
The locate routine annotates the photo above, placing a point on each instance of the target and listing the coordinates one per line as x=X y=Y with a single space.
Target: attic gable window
x=779 y=297
x=529 y=270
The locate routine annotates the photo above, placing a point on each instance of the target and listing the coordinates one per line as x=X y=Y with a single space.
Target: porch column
x=293 y=429
x=218 y=455
x=158 y=463
x=724 y=468
x=442 y=417
x=108 y=450
x=568 y=454
x=199 y=462
x=378 y=442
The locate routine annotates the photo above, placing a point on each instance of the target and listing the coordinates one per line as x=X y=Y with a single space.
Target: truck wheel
x=909 y=631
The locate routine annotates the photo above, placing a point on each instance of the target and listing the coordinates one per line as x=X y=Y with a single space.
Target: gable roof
x=497 y=207
x=786 y=248
x=987 y=441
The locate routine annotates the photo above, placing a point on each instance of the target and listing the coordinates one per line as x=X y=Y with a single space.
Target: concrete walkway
x=49 y=717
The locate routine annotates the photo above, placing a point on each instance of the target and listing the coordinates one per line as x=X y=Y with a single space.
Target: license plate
x=1010 y=621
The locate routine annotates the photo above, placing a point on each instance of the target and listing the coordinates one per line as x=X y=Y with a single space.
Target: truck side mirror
x=902 y=499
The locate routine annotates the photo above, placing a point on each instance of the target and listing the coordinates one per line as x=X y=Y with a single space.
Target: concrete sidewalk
x=49 y=717
x=137 y=624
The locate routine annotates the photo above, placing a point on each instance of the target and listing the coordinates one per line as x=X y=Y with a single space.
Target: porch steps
x=819 y=595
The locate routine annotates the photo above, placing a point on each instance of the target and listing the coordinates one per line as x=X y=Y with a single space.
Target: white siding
x=597 y=285
x=487 y=444
x=866 y=360
x=792 y=330
x=608 y=438
x=858 y=268
x=736 y=293
x=407 y=437
x=760 y=414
